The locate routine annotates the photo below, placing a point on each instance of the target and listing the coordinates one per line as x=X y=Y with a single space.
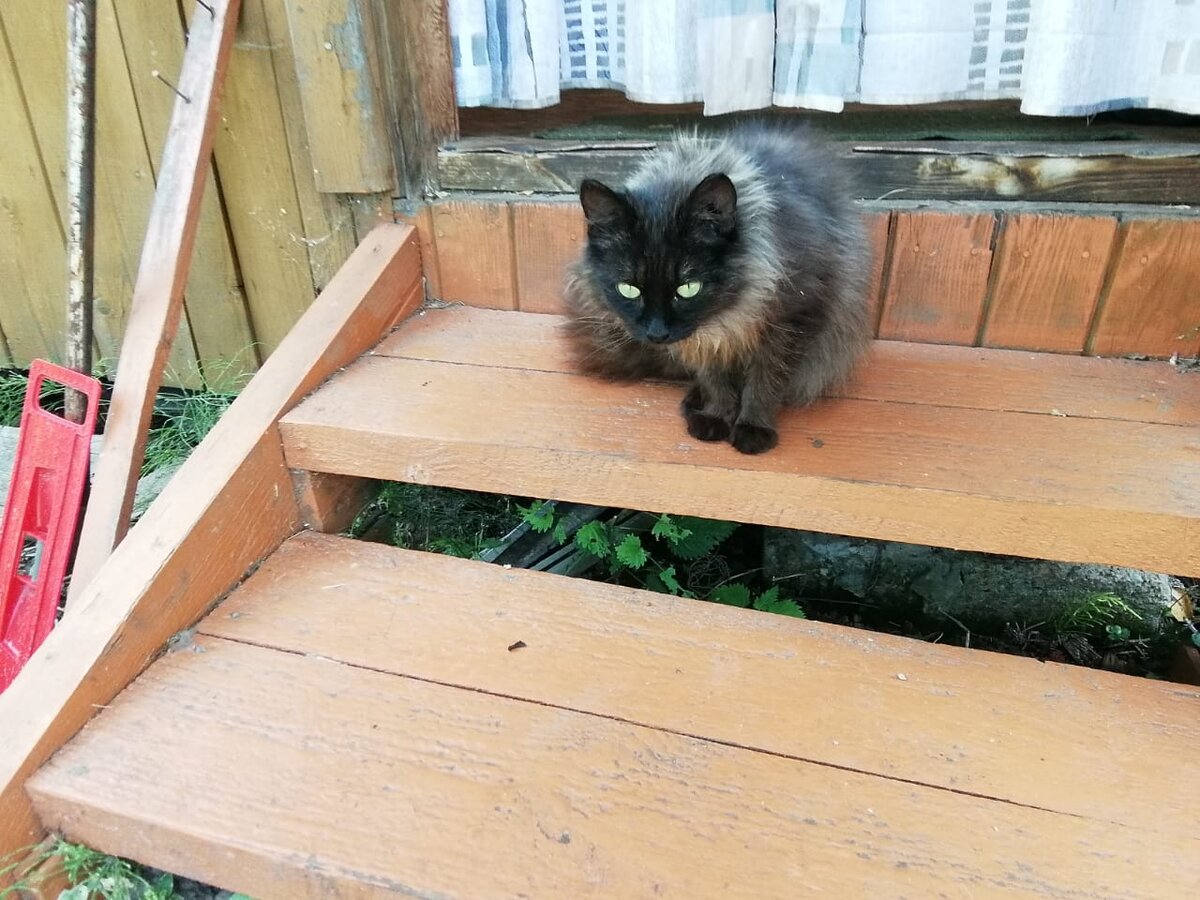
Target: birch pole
x=81 y=166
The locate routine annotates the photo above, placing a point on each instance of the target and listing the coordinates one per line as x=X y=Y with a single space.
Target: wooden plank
x=938 y=279
x=1101 y=171
x=547 y=237
x=40 y=875
x=124 y=176
x=214 y=302
x=1073 y=489
x=330 y=503
x=326 y=220
x=325 y=597
x=1049 y=271
x=368 y=211
x=158 y=293
x=574 y=805
x=33 y=316
x=475 y=253
x=879 y=226
x=420 y=217
x=1151 y=306
x=229 y=506
x=895 y=372
x=334 y=46
x=416 y=48
x=259 y=183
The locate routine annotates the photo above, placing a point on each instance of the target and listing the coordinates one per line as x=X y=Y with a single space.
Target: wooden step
x=1040 y=455
x=355 y=720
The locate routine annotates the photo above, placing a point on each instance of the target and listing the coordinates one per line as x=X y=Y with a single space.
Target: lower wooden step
x=1058 y=457
x=359 y=721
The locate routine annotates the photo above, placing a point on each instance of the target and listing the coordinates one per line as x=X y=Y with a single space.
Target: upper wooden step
x=1041 y=455
x=357 y=720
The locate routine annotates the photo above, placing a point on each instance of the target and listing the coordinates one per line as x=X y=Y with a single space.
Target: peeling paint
x=349 y=42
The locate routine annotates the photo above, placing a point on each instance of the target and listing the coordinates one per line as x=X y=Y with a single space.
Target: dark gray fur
x=782 y=317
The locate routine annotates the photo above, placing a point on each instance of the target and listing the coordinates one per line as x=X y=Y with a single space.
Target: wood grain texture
x=433 y=791
x=420 y=217
x=324 y=596
x=124 y=178
x=420 y=75
x=33 y=316
x=968 y=378
x=330 y=503
x=335 y=49
x=1076 y=489
x=475 y=253
x=328 y=234
x=219 y=321
x=229 y=506
x=259 y=181
x=158 y=292
x=939 y=273
x=879 y=226
x=1152 y=306
x=547 y=237
x=1097 y=171
x=1049 y=273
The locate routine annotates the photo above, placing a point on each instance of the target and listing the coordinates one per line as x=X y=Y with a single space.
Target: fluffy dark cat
x=736 y=264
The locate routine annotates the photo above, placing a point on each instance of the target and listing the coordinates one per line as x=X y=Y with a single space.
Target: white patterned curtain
x=1059 y=57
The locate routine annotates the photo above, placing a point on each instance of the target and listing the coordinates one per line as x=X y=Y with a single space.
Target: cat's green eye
x=628 y=291
x=688 y=289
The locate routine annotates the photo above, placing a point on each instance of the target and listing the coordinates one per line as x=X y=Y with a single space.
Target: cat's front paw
x=753 y=438
x=704 y=427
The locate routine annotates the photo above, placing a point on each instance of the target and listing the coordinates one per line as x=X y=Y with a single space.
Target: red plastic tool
x=41 y=515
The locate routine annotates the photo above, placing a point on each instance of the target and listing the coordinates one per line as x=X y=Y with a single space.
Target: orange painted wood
x=1050 y=270
x=878 y=226
x=895 y=371
x=652 y=660
x=323 y=779
x=158 y=291
x=938 y=280
x=330 y=503
x=1076 y=489
x=40 y=875
x=475 y=253
x=547 y=237
x=421 y=218
x=229 y=506
x=1153 y=305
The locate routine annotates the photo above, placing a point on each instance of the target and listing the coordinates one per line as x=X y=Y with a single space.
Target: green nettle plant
x=659 y=559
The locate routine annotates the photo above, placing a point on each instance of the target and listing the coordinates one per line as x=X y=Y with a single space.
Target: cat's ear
x=714 y=201
x=603 y=207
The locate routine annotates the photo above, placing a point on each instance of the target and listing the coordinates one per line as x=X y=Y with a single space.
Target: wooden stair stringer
x=228 y=507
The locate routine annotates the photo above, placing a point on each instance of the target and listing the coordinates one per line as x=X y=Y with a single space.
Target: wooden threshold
x=1002 y=451
x=352 y=721
x=1099 y=171
x=230 y=505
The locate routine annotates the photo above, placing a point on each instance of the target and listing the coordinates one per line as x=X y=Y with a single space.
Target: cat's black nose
x=657 y=333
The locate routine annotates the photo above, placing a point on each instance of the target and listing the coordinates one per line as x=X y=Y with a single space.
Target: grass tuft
x=184 y=422
x=441 y=520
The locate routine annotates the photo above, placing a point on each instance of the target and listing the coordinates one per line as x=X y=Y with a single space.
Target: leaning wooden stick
x=158 y=291
x=81 y=160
